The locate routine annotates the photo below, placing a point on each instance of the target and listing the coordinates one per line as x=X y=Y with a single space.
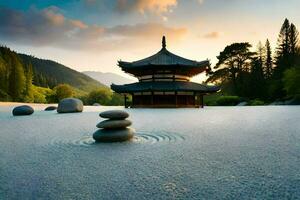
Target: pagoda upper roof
x=164 y=58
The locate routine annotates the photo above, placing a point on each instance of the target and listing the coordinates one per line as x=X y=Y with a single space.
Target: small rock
x=70 y=105
x=244 y=103
x=50 y=108
x=22 y=110
x=96 y=104
x=294 y=101
x=114 y=124
x=113 y=135
x=114 y=114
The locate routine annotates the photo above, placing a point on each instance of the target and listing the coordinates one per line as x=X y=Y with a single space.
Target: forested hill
x=48 y=73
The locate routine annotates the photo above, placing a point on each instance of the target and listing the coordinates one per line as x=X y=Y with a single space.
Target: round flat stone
x=70 y=105
x=114 y=114
x=22 y=110
x=50 y=108
x=114 y=124
x=113 y=135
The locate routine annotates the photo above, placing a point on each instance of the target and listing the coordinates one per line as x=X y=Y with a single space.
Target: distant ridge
x=52 y=73
x=108 y=78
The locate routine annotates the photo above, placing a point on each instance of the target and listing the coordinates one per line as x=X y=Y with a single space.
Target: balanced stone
x=114 y=114
x=22 y=110
x=70 y=105
x=114 y=124
x=96 y=104
x=49 y=108
x=113 y=135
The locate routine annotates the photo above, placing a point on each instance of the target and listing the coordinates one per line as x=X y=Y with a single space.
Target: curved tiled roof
x=164 y=86
x=164 y=58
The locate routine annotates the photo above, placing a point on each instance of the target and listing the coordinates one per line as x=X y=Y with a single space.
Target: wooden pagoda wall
x=166 y=101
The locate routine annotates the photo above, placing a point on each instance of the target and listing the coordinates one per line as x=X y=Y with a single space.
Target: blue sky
x=94 y=34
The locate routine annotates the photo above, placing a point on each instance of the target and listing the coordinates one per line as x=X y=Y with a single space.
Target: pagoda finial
x=164 y=42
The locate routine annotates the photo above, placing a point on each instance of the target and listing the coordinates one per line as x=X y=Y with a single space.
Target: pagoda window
x=169 y=93
x=185 y=93
x=165 y=79
x=163 y=76
x=146 y=93
x=158 y=93
x=164 y=71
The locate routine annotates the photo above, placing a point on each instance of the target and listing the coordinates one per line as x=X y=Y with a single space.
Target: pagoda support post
x=176 y=99
x=152 y=98
x=202 y=100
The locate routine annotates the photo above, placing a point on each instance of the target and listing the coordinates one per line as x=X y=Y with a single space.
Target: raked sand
x=210 y=153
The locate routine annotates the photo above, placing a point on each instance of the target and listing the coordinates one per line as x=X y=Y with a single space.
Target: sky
x=92 y=35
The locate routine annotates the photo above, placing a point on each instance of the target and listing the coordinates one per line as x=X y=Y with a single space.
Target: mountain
x=108 y=78
x=48 y=73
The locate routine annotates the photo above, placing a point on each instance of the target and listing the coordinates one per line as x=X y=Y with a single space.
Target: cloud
x=48 y=27
x=142 y=6
x=212 y=35
x=200 y=1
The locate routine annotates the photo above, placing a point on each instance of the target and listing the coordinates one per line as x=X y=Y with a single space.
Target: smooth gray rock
x=114 y=114
x=114 y=124
x=50 y=108
x=113 y=135
x=22 y=110
x=276 y=103
x=96 y=104
x=293 y=101
x=70 y=105
x=244 y=103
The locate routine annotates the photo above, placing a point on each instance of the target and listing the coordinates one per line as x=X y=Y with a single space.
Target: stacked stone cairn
x=115 y=128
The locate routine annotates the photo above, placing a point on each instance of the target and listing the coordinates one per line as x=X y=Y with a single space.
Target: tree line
x=262 y=74
x=19 y=82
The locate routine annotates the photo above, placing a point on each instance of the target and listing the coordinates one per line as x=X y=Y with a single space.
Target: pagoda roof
x=163 y=58
x=164 y=86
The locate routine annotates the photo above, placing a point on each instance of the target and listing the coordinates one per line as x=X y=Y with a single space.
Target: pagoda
x=164 y=81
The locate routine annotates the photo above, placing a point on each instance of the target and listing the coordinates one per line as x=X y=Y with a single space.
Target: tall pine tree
x=293 y=42
x=16 y=78
x=283 y=49
x=28 y=85
x=268 y=69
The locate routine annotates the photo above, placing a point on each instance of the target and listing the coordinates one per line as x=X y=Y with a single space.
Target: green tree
x=293 y=40
x=286 y=57
x=28 y=84
x=233 y=61
x=102 y=96
x=283 y=46
x=117 y=99
x=291 y=81
x=16 y=78
x=257 y=82
x=268 y=69
x=63 y=91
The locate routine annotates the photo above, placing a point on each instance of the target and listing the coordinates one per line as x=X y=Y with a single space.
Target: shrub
x=41 y=94
x=4 y=96
x=116 y=100
x=256 y=102
x=102 y=96
x=228 y=101
x=63 y=91
x=291 y=81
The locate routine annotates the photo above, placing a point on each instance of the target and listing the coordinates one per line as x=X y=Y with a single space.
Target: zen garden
x=188 y=114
